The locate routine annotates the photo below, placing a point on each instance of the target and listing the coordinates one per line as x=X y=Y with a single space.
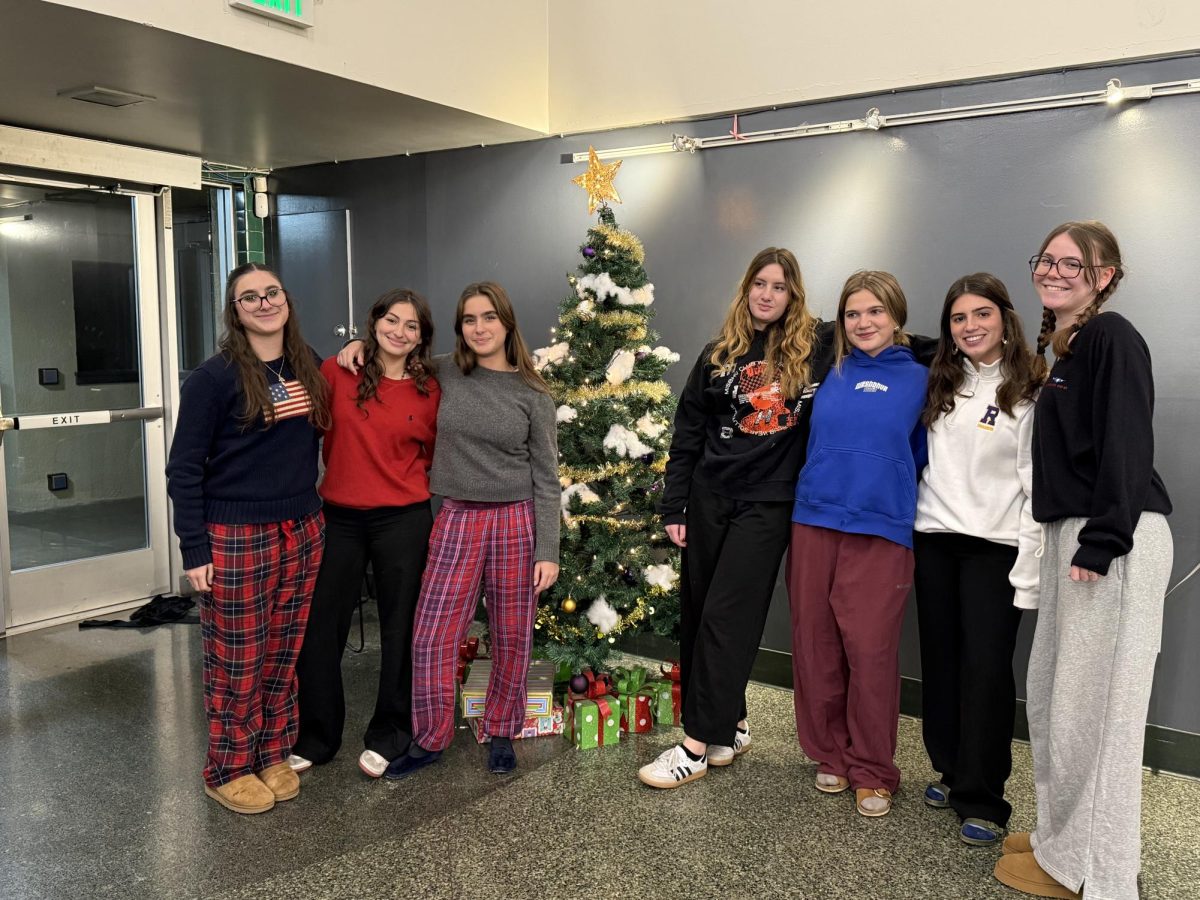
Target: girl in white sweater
x=974 y=544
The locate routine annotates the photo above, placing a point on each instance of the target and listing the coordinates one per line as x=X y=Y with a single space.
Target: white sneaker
x=372 y=764
x=298 y=763
x=672 y=768
x=720 y=755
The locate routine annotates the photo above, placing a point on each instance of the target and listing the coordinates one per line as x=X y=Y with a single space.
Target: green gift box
x=663 y=702
x=593 y=723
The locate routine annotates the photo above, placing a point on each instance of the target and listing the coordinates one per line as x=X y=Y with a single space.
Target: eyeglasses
x=1067 y=267
x=251 y=301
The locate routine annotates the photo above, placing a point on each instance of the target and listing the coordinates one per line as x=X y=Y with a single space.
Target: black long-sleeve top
x=737 y=434
x=1093 y=441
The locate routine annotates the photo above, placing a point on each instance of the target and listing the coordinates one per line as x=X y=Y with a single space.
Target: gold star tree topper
x=598 y=181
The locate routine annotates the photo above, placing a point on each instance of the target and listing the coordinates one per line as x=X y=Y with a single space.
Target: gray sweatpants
x=1090 y=674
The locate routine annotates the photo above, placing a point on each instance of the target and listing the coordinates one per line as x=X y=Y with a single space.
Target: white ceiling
x=211 y=101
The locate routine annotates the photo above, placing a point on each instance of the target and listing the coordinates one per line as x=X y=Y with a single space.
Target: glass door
x=81 y=428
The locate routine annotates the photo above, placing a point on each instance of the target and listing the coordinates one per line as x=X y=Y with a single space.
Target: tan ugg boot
x=281 y=780
x=1017 y=842
x=246 y=795
x=1022 y=871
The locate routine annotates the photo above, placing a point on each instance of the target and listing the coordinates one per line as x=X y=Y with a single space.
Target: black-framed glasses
x=1067 y=267
x=251 y=302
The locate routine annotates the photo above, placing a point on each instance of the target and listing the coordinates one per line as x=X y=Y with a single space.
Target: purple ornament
x=589 y=252
x=648 y=458
x=579 y=684
x=641 y=354
x=656 y=487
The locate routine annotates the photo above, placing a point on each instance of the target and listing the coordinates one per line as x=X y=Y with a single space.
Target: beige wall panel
x=631 y=62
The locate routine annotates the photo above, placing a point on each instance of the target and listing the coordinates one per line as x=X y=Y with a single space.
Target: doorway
x=83 y=510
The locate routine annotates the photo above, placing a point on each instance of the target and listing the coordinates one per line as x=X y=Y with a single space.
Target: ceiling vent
x=104 y=96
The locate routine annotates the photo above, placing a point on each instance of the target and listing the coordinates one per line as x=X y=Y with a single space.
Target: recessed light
x=104 y=96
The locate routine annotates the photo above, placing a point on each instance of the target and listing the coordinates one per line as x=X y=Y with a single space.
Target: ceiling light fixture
x=104 y=96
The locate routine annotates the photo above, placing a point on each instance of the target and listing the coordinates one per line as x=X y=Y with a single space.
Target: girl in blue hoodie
x=850 y=561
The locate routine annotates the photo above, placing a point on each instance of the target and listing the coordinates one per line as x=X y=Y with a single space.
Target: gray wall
x=928 y=202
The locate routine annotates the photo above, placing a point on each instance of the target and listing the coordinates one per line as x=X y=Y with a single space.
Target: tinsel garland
x=656 y=391
x=568 y=475
x=623 y=240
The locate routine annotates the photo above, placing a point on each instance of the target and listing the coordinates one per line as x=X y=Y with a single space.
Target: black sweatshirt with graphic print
x=1093 y=441
x=736 y=433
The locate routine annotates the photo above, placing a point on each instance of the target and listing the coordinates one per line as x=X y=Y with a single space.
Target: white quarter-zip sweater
x=980 y=476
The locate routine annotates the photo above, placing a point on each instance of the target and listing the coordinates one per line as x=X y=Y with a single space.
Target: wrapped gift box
x=636 y=699
x=637 y=716
x=535 y=726
x=539 y=689
x=593 y=723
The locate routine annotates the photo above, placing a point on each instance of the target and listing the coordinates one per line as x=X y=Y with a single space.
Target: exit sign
x=294 y=12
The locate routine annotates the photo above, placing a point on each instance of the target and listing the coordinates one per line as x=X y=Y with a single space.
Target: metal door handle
x=353 y=331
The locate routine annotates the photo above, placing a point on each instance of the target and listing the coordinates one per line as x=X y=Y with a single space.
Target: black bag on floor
x=160 y=610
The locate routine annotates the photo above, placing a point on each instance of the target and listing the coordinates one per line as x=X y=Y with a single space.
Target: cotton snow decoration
x=551 y=356
x=620 y=367
x=583 y=492
x=567 y=414
x=649 y=427
x=601 y=286
x=661 y=576
x=642 y=296
x=624 y=442
x=666 y=354
x=602 y=615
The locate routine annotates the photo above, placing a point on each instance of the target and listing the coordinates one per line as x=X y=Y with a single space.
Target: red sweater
x=378 y=455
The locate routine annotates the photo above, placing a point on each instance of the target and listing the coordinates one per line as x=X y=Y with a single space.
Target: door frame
x=146 y=176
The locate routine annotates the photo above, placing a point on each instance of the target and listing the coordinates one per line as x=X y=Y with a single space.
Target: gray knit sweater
x=497 y=442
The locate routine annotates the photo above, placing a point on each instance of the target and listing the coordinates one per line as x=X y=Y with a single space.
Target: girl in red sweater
x=376 y=492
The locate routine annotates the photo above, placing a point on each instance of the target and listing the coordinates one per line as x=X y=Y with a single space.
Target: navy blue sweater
x=219 y=472
x=866 y=447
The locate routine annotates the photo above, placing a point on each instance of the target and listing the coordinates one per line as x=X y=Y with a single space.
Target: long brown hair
x=884 y=287
x=1020 y=375
x=515 y=350
x=1100 y=250
x=419 y=365
x=298 y=356
x=789 y=340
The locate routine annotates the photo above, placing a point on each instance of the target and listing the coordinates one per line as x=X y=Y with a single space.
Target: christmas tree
x=619 y=572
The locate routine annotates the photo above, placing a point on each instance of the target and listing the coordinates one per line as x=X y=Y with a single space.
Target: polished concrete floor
x=101 y=745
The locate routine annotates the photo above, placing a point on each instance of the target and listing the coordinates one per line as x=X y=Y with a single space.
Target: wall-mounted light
x=1114 y=92
x=8 y=220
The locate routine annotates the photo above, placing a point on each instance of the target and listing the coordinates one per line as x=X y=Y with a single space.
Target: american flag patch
x=288 y=400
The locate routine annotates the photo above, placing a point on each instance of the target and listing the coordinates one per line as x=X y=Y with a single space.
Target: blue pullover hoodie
x=866 y=448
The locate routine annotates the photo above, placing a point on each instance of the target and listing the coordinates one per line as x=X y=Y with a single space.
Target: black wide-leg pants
x=730 y=564
x=395 y=540
x=968 y=628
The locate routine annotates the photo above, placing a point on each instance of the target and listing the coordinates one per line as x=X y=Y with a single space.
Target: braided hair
x=1100 y=250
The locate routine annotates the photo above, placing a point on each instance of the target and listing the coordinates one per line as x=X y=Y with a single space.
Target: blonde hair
x=789 y=340
x=884 y=287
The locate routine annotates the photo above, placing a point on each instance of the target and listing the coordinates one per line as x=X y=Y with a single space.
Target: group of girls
x=954 y=479
x=270 y=553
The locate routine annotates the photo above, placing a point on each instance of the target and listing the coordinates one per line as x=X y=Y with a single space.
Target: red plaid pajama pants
x=253 y=625
x=474 y=543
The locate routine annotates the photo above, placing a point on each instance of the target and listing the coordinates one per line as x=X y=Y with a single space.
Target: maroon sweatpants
x=847 y=594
